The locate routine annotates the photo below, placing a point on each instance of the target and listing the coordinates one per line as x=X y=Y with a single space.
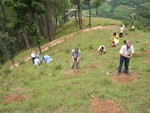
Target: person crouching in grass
x=75 y=57
x=101 y=50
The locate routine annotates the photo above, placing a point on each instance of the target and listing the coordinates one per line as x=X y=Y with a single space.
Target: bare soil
x=104 y=106
x=19 y=94
x=146 y=61
x=94 y=66
x=124 y=78
x=15 y=97
x=73 y=73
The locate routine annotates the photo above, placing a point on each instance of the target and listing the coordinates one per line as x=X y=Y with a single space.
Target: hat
x=32 y=51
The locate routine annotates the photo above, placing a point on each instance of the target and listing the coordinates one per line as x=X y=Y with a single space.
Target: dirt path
x=62 y=39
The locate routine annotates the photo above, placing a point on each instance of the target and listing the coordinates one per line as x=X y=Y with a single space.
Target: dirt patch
x=93 y=66
x=19 y=94
x=124 y=78
x=137 y=36
x=15 y=97
x=146 y=61
x=73 y=73
x=104 y=106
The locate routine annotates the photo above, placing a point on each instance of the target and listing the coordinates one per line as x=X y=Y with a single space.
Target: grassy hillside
x=70 y=27
x=53 y=88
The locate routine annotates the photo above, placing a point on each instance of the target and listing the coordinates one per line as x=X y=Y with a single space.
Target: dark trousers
x=33 y=60
x=126 y=64
x=120 y=35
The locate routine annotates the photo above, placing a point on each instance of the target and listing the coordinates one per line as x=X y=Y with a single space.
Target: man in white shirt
x=126 y=53
x=101 y=50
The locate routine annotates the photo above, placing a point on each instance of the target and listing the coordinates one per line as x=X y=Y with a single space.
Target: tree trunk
x=47 y=12
x=26 y=40
x=39 y=47
x=79 y=14
x=76 y=17
x=5 y=19
x=97 y=8
x=89 y=13
x=41 y=26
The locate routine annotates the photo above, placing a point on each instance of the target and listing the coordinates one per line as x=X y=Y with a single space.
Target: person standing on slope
x=126 y=53
x=121 y=31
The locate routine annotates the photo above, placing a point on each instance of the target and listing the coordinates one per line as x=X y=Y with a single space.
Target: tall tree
x=88 y=2
x=97 y=3
x=80 y=14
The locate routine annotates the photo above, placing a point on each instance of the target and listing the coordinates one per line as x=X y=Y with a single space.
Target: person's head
x=114 y=34
x=124 y=42
x=33 y=51
x=102 y=48
x=76 y=49
x=128 y=44
x=36 y=51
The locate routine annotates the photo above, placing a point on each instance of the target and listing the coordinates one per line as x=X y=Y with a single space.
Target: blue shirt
x=47 y=59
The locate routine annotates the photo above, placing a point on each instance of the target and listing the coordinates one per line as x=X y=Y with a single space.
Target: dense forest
x=29 y=23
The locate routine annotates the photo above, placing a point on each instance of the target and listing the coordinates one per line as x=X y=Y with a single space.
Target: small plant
x=6 y=71
x=142 y=49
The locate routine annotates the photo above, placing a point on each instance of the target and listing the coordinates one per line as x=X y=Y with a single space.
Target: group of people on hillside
x=116 y=38
x=37 y=60
x=125 y=52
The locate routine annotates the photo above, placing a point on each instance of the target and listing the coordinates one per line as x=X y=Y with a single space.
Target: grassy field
x=52 y=88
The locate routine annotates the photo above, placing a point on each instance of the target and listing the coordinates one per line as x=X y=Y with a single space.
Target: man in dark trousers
x=75 y=56
x=126 y=53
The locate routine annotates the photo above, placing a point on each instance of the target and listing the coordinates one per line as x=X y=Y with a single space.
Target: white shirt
x=36 y=62
x=101 y=47
x=126 y=51
x=33 y=55
x=121 y=29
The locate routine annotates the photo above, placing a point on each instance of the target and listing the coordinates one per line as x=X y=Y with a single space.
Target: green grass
x=49 y=91
x=68 y=28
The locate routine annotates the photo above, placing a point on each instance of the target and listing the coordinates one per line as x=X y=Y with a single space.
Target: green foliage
x=121 y=12
x=105 y=9
x=142 y=49
x=7 y=47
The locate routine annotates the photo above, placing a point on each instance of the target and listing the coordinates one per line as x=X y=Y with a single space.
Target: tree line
x=29 y=23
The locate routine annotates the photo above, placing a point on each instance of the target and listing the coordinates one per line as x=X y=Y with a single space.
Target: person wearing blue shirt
x=47 y=59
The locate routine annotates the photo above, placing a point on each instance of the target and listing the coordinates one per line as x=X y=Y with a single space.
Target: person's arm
x=125 y=56
x=72 y=58
x=122 y=51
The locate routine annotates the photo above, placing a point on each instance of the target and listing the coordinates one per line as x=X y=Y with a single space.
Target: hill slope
x=54 y=88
